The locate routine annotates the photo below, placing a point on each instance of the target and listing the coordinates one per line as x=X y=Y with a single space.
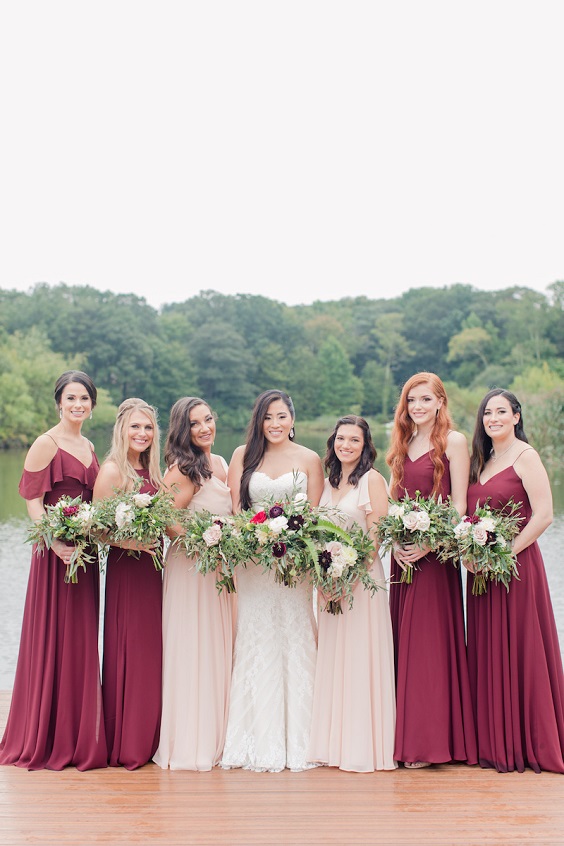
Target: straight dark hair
x=368 y=455
x=481 y=442
x=75 y=376
x=180 y=449
x=256 y=442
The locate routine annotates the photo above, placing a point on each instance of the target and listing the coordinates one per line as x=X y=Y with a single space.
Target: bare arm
x=459 y=460
x=182 y=489
x=535 y=480
x=315 y=480
x=234 y=477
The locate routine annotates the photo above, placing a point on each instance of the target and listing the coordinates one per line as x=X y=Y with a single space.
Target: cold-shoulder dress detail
x=354 y=708
x=132 y=665
x=435 y=720
x=274 y=663
x=197 y=652
x=56 y=717
x=514 y=656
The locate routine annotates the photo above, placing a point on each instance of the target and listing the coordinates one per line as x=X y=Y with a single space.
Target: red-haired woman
x=434 y=724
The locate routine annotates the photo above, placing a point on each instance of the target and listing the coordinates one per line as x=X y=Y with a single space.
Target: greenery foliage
x=332 y=357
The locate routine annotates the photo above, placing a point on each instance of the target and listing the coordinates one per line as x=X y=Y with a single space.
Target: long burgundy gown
x=56 y=717
x=132 y=666
x=513 y=655
x=434 y=720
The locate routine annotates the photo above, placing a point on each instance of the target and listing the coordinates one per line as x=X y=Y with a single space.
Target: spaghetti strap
x=521 y=453
x=53 y=439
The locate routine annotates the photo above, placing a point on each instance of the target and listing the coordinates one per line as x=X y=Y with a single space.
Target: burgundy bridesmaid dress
x=513 y=655
x=434 y=720
x=132 y=663
x=56 y=717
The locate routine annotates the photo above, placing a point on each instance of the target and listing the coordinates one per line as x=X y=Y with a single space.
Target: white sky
x=301 y=150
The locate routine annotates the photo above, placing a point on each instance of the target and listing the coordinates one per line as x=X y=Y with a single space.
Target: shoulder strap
x=52 y=438
x=527 y=448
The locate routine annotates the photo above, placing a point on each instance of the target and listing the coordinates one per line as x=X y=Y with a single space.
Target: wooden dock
x=441 y=805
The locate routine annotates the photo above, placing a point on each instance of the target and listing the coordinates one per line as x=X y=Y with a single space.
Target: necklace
x=494 y=457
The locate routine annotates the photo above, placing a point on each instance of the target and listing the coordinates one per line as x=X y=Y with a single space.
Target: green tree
x=340 y=390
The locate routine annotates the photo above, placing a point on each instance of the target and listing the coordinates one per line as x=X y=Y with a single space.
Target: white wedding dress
x=274 y=664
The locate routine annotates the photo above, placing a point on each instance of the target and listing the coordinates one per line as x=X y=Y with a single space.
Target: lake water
x=15 y=553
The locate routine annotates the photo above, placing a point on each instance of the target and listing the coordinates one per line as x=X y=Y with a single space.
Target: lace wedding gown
x=274 y=664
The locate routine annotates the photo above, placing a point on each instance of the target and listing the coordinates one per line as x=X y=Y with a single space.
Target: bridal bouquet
x=423 y=521
x=484 y=540
x=214 y=543
x=69 y=520
x=341 y=564
x=141 y=517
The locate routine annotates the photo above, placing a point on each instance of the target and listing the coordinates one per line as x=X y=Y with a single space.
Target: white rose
x=488 y=523
x=335 y=548
x=409 y=520
x=423 y=521
x=85 y=515
x=299 y=498
x=124 y=515
x=212 y=536
x=278 y=524
x=479 y=534
x=336 y=569
x=396 y=510
x=142 y=500
x=462 y=530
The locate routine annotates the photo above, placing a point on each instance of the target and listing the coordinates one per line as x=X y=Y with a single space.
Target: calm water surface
x=15 y=553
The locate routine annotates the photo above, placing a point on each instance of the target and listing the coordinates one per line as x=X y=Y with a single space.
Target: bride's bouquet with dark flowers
x=70 y=521
x=484 y=540
x=419 y=520
x=134 y=516
x=215 y=543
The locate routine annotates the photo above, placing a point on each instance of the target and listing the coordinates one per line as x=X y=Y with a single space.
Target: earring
x=60 y=413
x=90 y=416
x=292 y=434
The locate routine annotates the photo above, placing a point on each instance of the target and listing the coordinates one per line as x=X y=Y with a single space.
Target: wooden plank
x=451 y=804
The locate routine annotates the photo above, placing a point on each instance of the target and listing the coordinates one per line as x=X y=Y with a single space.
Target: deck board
x=450 y=804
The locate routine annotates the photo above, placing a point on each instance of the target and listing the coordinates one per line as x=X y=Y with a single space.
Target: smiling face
x=349 y=443
x=202 y=427
x=140 y=434
x=277 y=422
x=75 y=403
x=499 y=418
x=423 y=404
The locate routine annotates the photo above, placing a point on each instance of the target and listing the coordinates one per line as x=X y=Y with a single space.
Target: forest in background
x=332 y=357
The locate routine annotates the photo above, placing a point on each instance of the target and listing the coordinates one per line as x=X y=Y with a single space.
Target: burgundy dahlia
x=279 y=549
x=276 y=511
x=295 y=522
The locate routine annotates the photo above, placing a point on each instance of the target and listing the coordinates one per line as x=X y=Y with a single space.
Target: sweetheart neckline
x=275 y=478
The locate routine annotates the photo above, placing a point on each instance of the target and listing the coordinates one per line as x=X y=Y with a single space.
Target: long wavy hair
x=404 y=428
x=150 y=459
x=256 y=442
x=367 y=457
x=481 y=441
x=75 y=376
x=179 y=447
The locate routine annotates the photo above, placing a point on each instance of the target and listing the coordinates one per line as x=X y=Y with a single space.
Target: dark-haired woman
x=513 y=652
x=353 y=725
x=275 y=648
x=434 y=721
x=56 y=716
x=197 y=622
x=132 y=668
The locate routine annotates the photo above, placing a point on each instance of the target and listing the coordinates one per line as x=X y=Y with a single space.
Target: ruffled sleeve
x=36 y=483
x=364 y=495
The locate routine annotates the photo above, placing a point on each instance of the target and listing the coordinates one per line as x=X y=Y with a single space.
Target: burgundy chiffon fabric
x=132 y=667
x=514 y=656
x=56 y=717
x=434 y=708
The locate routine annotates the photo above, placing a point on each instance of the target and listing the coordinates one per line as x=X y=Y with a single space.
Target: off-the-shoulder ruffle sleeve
x=364 y=495
x=36 y=483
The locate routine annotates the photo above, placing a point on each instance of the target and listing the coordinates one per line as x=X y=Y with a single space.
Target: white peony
x=409 y=520
x=396 y=510
x=124 y=514
x=85 y=515
x=423 y=521
x=142 y=500
x=463 y=529
x=337 y=568
x=278 y=524
x=349 y=556
x=212 y=536
x=488 y=523
x=299 y=498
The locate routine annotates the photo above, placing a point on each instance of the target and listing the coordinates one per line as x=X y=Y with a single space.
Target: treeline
x=351 y=354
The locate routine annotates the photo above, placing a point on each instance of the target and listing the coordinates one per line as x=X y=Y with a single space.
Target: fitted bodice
x=263 y=489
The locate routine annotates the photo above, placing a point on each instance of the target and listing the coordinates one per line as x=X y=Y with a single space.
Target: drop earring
x=90 y=418
x=292 y=433
x=60 y=413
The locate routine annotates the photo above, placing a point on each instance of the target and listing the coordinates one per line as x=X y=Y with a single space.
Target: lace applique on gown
x=274 y=664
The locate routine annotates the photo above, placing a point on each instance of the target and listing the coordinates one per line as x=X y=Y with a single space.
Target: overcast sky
x=301 y=150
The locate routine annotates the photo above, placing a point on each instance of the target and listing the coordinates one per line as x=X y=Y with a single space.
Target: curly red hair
x=404 y=428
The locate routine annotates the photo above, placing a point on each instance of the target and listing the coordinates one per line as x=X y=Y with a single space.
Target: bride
x=275 y=648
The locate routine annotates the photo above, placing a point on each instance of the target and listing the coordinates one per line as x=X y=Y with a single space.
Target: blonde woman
x=132 y=663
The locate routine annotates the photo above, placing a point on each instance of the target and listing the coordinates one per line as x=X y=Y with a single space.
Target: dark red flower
x=260 y=517
x=70 y=510
x=279 y=549
x=276 y=511
x=325 y=559
x=295 y=522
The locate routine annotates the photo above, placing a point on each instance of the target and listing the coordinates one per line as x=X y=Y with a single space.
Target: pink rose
x=410 y=520
x=480 y=534
x=212 y=536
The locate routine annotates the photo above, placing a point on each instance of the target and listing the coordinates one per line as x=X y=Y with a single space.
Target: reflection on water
x=14 y=567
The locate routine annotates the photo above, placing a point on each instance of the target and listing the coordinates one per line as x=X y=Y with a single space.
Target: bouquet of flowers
x=423 y=521
x=341 y=564
x=69 y=520
x=215 y=544
x=142 y=517
x=484 y=539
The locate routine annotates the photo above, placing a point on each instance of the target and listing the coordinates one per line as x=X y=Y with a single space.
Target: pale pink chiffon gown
x=354 y=709
x=197 y=657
